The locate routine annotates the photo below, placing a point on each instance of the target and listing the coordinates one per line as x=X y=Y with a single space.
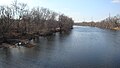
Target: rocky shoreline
x=14 y=43
x=13 y=40
x=17 y=40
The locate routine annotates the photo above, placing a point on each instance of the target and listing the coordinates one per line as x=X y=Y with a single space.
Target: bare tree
x=65 y=23
x=5 y=19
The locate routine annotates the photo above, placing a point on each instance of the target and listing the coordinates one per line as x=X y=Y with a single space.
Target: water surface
x=83 y=47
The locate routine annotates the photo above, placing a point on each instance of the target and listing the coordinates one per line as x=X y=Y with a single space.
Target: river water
x=83 y=47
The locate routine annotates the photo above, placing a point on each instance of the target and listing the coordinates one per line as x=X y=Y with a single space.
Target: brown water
x=83 y=47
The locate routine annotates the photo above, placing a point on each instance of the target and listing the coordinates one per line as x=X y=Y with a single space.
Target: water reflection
x=83 y=47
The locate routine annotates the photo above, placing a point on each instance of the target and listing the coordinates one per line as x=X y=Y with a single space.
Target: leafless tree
x=5 y=19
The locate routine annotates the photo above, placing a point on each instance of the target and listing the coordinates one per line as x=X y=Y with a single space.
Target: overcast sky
x=79 y=10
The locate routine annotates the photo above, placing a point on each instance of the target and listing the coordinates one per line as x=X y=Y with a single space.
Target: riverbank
x=17 y=39
x=116 y=28
x=28 y=24
x=110 y=26
x=13 y=39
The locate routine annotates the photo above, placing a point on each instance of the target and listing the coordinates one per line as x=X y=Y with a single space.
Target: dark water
x=83 y=47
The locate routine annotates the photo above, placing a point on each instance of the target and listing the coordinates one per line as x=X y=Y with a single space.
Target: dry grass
x=116 y=28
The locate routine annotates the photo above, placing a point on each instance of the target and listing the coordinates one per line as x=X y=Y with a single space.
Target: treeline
x=18 y=19
x=108 y=23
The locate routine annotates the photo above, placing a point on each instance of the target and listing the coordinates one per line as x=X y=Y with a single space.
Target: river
x=83 y=47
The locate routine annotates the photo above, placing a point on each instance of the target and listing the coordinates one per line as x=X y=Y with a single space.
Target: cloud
x=5 y=2
x=115 y=1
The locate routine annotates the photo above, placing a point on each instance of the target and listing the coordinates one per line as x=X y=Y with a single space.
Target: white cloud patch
x=115 y=1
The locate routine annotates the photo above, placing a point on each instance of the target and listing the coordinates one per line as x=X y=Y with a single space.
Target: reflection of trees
x=46 y=48
x=6 y=58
